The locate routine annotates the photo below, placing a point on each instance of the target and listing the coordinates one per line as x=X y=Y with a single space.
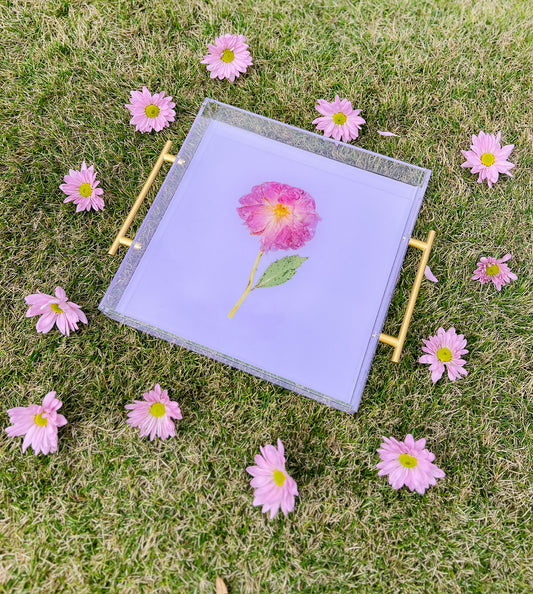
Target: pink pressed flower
x=492 y=270
x=338 y=119
x=54 y=310
x=285 y=217
x=82 y=188
x=429 y=275
x=445 y=350
x=150 y=112
x=154 y=415
x=38 y=423
x=408 y=463
x=488 y=158
x=274 y=488
x=228 y=58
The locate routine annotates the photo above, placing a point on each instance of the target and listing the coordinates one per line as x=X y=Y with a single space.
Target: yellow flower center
x=41 y=421
x=157 y=409
x=85 y=190
x=408 y=461
x=227 y=56
x=279 y=478
x=492 y=270
x=55 y=307
x=152 y=111
x=444 y=354
x=281 y=211
x=339 y=118
x=487 y=159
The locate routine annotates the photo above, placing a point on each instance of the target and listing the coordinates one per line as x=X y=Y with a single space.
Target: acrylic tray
x=191 y=258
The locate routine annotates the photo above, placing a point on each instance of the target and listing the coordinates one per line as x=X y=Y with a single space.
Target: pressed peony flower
x=274 y=488
x=488 y=158
x=54 y=310
x=228 y=58
x=445 y=350
x=38 y=423
x=338 y=119
x=284 y=216
x=81 y=187
x=154 y=415
x=429 y=275
x=496 y=271
x=408 y=463
x=150 y=112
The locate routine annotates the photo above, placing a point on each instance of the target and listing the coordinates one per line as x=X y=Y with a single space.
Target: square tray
x=191 y=258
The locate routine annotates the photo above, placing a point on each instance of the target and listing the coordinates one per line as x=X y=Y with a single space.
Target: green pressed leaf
x=280 y=271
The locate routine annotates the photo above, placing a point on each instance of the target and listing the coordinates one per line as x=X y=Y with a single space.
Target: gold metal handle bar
x=397 y=342
x=121 y=238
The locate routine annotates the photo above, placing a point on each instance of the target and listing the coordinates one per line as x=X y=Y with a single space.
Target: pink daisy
x=82 y=188
x=274 y=488
x=285 y=217
x=54 y=310
x=38 y=423
x=492 y=270
x=445 y=350
x=150 y=112
x=488 y=158
x=408 y=463
x=228 y=58
x=154 y=415
x=338 y=119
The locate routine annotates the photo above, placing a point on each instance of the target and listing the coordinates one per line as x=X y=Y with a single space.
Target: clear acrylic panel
x=191 y=259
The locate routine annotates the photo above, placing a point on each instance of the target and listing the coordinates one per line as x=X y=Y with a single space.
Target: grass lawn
x=110 y=512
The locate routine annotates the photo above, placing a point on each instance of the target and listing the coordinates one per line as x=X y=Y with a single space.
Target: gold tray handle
x=121 y=238
x=397 y=342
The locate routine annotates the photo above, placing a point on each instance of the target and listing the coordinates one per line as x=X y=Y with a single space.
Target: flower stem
x=248 y=287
